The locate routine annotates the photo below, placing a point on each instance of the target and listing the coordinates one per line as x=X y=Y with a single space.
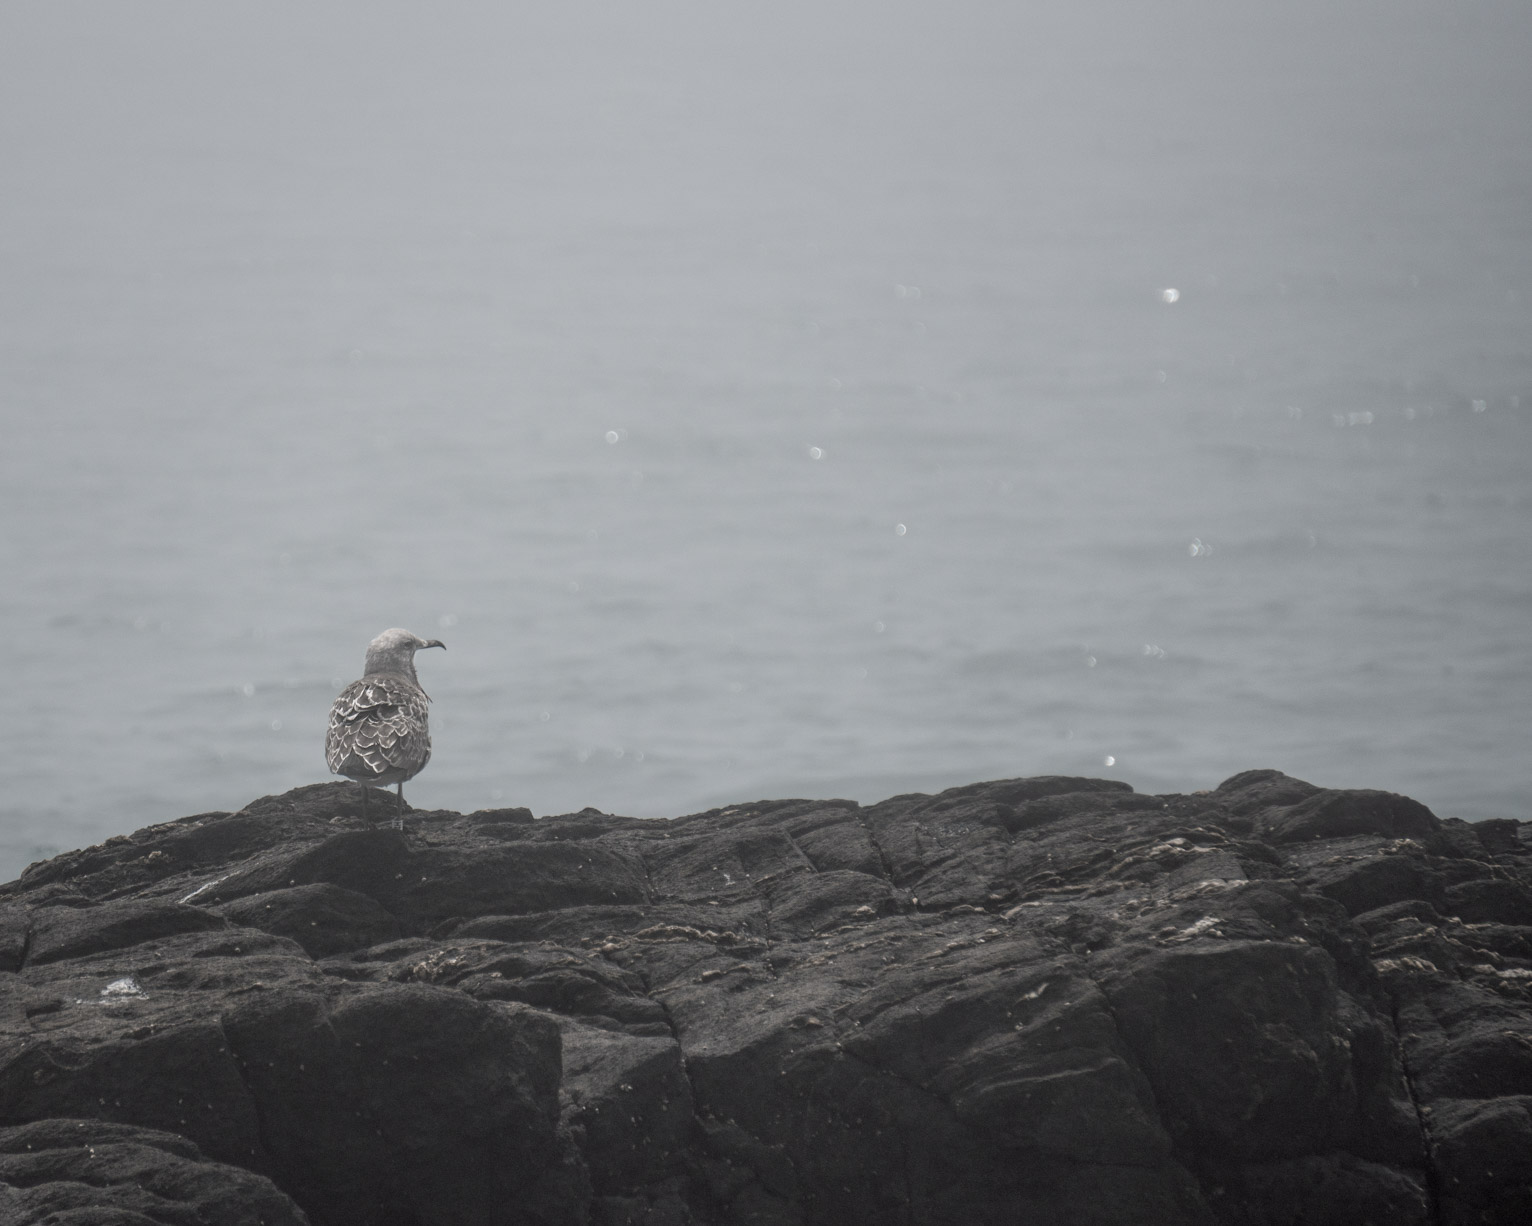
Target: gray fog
x=829 y=399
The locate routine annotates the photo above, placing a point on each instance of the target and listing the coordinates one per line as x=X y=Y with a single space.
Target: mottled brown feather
x=379 y=731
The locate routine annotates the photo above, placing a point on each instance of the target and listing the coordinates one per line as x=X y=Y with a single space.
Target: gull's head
x=394 y=650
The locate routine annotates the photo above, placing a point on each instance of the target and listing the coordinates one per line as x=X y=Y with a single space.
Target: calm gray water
x=764 y=400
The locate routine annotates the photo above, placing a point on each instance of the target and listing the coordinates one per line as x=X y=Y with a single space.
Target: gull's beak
x=432 y=643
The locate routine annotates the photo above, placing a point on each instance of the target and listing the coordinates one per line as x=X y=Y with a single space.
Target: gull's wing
x=378 y=731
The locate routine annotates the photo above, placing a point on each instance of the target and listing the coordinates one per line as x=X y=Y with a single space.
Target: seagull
x=378 y=730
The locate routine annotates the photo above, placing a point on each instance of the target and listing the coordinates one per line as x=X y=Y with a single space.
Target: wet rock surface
x=1016 y=1000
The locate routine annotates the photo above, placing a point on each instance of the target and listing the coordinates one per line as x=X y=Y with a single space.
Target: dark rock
x=1255 y=1052
x=1251 y=792
x=807 y=903
x=1325 y=1190
x=98 y=1043
x=325 y=919
x=1458 y=840
x=88 y=1171
x=1051 y=808
x=629 y=1100
x=1364 y=875
x=499 y=817
x=1499 y=836
x=1025 y=999
x=573 y=983
x=1336 y=814
x=1380 y=918
x=1492 y=901
x=463 y=1096
x=369 y=862
x=406 y=1103
x=509 y=880
x=15 y=934
x=1483 y=1155
x=72 y=932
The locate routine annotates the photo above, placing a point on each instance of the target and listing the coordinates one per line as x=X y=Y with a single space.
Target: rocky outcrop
x=90 y=1171
x=1022 y=1000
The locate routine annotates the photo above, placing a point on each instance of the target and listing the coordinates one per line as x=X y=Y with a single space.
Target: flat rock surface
x=1028 y=999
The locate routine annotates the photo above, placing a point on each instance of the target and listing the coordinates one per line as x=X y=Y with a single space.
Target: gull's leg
x=366 y=817
x=398 y=822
